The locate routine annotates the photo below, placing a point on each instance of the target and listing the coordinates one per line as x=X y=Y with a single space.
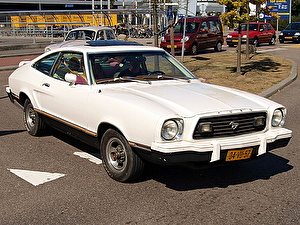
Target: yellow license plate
x=241 y=154
x=288 y=37
x=170 y=46
x=235 y=40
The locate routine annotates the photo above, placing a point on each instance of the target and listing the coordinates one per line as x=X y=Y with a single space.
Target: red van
x=201 y=33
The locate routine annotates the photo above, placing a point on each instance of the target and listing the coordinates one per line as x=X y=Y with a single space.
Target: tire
x=119 y=161
x=194 y=49
x=255 y=42
x=32 y=121
x=272 y=41
x=218 y=47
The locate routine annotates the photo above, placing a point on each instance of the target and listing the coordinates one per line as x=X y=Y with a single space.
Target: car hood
x=66 y=44
x=290 y=32
x=236 y=33
x=192 y=99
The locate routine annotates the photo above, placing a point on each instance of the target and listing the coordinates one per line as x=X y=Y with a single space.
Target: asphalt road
x=264 y=191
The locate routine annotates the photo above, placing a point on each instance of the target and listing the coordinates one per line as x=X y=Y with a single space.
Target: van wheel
x=218 y=47
x=194 y=49
x=119 y=160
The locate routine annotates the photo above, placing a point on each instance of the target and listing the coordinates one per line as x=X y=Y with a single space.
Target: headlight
x=281 y=33
x=229 y=36
x=278 y=118
x=244 y=36
x=186 y=38
x=162 y=39
x=297 y=34
x=172 y=129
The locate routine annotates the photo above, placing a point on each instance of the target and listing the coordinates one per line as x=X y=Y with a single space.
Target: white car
x=138 y=103
x=80 y=35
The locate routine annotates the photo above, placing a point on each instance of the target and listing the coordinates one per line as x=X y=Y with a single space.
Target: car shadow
x=183 y=179
x=9 y=132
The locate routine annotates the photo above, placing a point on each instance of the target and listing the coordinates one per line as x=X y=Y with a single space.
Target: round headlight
x=171 y=129
x=278 y=118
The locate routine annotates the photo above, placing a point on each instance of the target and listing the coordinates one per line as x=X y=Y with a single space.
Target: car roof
x=92 y=28
x=118 y=48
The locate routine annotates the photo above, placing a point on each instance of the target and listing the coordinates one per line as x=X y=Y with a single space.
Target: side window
x=262 y=28
x=204 y=26
x=70 y=63
x=100 y=35
x=45 y=65
x=213 y=27
x=72 y=36
x=110 y=35
x=269 y=26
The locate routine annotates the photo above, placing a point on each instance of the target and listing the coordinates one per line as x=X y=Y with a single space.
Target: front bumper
x=215 y=150
x=235 y=41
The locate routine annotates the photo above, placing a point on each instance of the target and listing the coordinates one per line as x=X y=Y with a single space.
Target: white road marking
x=88 y=156
x=36 y=177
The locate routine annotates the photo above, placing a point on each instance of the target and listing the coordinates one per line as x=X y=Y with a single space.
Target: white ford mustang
x=138 y=103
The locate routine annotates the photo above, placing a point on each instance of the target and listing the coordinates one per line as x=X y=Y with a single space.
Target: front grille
x=223 y=126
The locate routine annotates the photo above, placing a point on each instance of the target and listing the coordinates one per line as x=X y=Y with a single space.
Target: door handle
x=46 y=84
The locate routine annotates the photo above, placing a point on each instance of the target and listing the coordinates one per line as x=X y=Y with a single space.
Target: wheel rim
x=194 y=49
x=31 y=117
x=116 y=154
x=219 y=47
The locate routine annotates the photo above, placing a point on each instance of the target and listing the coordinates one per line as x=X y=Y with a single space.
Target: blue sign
x=169 y=13
x=281 y=8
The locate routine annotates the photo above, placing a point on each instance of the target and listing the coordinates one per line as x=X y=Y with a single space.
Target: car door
x=61 y=100
x=263 y=34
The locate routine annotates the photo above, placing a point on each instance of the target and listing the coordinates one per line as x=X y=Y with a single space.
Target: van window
x=204 y=26
x=213 y=27
x=191 y=27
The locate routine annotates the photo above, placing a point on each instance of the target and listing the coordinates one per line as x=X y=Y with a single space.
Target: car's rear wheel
x=255 y=42
x=272 y=41
x=218 y=47
x=32 y=121
x=119 y=160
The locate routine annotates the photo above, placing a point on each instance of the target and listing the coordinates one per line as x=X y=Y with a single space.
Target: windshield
x=191 y=27
x=136 y=66
x=252 y=27
x=293 y=26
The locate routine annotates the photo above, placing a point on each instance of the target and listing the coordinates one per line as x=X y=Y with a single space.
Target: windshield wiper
x=126 y=79
x=166 y=77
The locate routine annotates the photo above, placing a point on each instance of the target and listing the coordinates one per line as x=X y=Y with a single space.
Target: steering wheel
x=157 y=72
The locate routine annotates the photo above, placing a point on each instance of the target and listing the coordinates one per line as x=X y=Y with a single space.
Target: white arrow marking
x=36 y=177
x=89 y=157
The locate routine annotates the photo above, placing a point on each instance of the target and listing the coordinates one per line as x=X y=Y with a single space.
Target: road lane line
x=89 y=157
x=36 y=177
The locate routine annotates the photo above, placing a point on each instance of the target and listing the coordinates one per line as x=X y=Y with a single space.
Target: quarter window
x=45 y=65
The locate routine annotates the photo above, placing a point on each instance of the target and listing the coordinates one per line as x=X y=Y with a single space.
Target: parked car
x=138 y=104
x=201 y=33
x=80 y=35
x=258 y=33
x=290 y=33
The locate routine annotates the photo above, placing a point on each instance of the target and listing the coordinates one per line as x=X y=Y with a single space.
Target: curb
x=277 y=87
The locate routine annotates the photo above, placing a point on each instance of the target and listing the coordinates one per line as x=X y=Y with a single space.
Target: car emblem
x=234 y=125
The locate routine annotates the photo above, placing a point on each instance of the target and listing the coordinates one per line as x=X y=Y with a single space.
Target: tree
x=238 y=11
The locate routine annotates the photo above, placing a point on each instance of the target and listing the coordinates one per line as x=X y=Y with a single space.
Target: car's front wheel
x=194 y=49
x=32 y=121
x=218 y=47
x=119 y=160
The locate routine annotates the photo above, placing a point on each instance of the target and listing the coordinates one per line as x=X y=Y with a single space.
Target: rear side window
x=110 y=35
x=45 y=65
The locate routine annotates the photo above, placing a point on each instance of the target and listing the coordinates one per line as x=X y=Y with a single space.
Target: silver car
x=80 y=35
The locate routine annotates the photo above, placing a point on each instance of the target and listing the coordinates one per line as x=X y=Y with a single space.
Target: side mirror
x=71 y=78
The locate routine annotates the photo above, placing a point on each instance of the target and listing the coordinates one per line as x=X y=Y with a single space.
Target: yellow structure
x=59 y=20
